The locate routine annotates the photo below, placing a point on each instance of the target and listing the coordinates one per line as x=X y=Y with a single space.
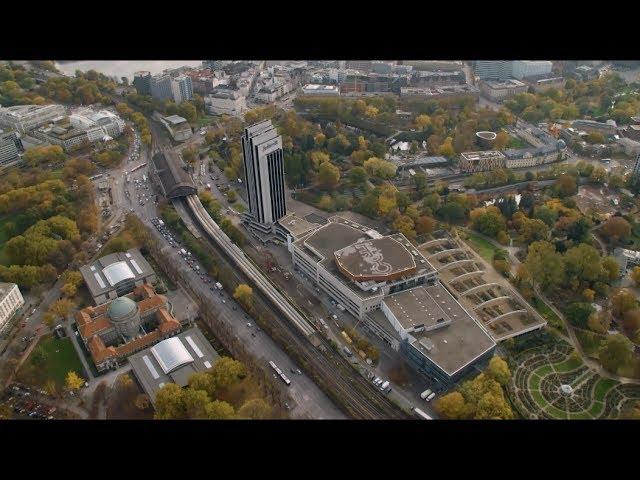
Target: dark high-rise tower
x=264 y=174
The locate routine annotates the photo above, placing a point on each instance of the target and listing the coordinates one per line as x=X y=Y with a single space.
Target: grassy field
x=484 y=248
x=548 y=314
x=515 y=142
x=602 y=388
x=568 y=365
x=57 y=359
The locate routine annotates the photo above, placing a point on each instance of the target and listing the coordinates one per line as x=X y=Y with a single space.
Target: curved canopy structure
x=117 y=272
x=175 y=181
x=171 y=354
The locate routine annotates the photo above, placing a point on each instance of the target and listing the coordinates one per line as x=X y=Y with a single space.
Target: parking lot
x=26 y=403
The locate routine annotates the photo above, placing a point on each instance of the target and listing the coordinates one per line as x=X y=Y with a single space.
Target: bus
x=280 y=373
x=421 y=414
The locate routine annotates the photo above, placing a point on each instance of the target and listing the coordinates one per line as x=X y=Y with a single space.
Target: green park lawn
x=596 y=409
x=602 y=388
x=557 y=413
x=59 y=358
x=484 y=248
x=544 y=370
x=539 y=399
x=534 y=382
x=568 y=365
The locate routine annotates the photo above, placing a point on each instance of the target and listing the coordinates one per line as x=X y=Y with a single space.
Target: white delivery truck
x=384 y=385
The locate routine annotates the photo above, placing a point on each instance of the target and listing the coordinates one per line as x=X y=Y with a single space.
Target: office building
x=499 y=90
x=441 y=92
x=114 y=330
x=24 y=118
x=361 y=65
x=10 y=301
x=97 y=123
x=264 y=175
x=161 y=87
x=493 y=69
x=142 y=82
x=481 y=161
x=606 y=128
x=62 y=132
x=530 y=68
x=421 y=78
x=356 y=265
x=117 y=274
x=635 y=173
x=224 y=101
x=435 y=334
x=320 y=90
x=530 y=157
x=10 y=148
x=173 y=360
x=178 y=127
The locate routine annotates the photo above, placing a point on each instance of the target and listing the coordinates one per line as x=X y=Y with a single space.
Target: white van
x=425 y=394
x=384 y=385
x=430 y=397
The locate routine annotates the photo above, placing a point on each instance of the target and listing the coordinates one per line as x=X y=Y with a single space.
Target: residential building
x=627 y=259
x=10 y=148
x=178 y=127
x=206 y=81
x=117 y=274
x=114 y=330
x=426 y=78
x=10 y=301
x=142 y=82
x=357 y=266
x=181 y=88
x=225 y=101
x=530 y=68
x=173 y=360
x=499 y=90
x=635 y=173
x=530 y=157
x=320 y=90
x=25 y=118
x=442 y=91
x=361 y=65
x=264 y=175
x=481 y=161
x=545 y=82
x=606 y=128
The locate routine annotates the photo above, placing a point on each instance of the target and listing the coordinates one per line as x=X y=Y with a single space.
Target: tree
x=142 y=402
x=244 y=294
x=635 y=275
x=599 y=322
x=616 y=228
x=169 y=403
x=493 y=406
x=583 y=262
x=546 y=214
x=195 y=403
x=376 y=167
x=328 y=176
x=578 y=313
x=254 y=409
x=578 y=230
x=610 y=268
x=616 y=351
x=219 y=410
x=452 y=406
x=6 y=413
x=598 y=175
x=451 y=212
x=488 y=220
x=631 y=320
x=424 y=225
x=358 y=175
x=404 y=224
x=318 y=157
x=532 y=230
x=446 y=149
x=621 y=301
x=544 y=265
x=227 y=372
x=566 y=186
x=61 y=308
x=73 y=381
x=202 y=381
x=499 y=370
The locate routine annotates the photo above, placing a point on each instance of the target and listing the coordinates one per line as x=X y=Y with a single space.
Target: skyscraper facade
x=142 y=82
x=264 y=174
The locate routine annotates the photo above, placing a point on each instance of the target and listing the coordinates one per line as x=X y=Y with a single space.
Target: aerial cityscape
x=320 y=240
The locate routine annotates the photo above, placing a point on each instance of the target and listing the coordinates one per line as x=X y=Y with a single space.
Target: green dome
x=121 y=307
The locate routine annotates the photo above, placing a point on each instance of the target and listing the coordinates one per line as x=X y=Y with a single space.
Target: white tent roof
x=171 y=354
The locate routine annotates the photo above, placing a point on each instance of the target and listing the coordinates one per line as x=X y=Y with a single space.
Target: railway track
x=360 y=399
